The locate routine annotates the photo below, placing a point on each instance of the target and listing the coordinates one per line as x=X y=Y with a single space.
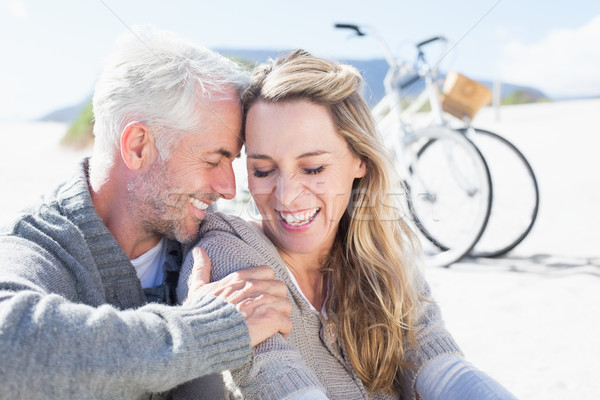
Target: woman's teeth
x=299 y=218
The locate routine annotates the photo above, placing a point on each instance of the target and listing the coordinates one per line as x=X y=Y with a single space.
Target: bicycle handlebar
x=360 y=32
x=398 y=66
x=410 y=81
x=430 y=40
x=388 y=55
x=353 y=27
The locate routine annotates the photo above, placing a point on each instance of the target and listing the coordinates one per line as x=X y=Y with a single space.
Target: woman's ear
x=138 y=149
x=361 y=171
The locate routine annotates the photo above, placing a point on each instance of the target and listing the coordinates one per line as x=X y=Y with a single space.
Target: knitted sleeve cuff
x=277 y=371
x=427 y=351
x=288 y=385
x=214 y=334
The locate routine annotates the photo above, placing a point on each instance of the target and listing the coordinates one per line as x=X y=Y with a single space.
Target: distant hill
x=67 y=114
x=373 y=72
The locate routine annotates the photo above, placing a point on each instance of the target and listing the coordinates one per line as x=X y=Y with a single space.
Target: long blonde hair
x=374 y=290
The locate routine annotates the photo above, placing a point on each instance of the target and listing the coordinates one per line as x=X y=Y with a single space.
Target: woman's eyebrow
x=303 y=155
x=313 y=153
x=258 y=156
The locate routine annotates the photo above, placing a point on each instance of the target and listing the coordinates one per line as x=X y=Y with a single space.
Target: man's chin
x=186 y=236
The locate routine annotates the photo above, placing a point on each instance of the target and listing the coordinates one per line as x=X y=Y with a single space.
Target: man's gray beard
x=157 y=206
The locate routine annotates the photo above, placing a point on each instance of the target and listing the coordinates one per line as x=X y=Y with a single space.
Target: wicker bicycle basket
x=464 y=97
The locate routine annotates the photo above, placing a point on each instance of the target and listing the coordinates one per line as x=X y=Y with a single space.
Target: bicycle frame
x=392 y=117
x=401 y=126
x=456 y=155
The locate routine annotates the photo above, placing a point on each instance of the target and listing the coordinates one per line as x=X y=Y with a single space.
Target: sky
x=53 y=51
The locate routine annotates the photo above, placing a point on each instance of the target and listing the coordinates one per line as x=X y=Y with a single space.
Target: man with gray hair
x=88 y=275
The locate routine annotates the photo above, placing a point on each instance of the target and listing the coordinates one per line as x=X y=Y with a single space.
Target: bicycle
x=448 y=188
x=501 y=233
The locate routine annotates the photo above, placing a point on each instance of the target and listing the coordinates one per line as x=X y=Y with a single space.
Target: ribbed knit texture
x=74 y=321
x=282 y=367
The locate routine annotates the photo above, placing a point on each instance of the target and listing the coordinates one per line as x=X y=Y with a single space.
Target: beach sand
x=530 y=319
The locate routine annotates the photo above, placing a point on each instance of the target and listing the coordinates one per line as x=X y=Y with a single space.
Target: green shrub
x=523 y=96
x=81 y=132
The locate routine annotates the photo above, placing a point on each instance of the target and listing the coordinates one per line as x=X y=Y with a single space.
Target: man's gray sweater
x=74 y=320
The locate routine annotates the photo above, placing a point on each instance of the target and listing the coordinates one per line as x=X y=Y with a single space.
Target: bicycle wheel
x=516 y=194
x=449 y=193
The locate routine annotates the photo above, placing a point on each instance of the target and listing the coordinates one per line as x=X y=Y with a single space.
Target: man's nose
x=224 y=182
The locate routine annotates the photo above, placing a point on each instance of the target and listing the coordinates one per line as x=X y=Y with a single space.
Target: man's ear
x=138 y=149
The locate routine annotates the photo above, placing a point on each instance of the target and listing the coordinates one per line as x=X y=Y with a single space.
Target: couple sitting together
x=120 y=284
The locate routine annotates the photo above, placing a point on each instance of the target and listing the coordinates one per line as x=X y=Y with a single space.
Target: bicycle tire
x=449 y=194
x=516 y=195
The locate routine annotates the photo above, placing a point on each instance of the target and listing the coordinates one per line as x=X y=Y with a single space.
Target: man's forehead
x=228 y=145
x=220 y=113
x=216 y=99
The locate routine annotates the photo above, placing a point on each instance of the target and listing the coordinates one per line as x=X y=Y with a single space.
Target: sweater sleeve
x=450 y=377
x=277 y=370
x=442 y=372
x=433 y=340
x=53 y=347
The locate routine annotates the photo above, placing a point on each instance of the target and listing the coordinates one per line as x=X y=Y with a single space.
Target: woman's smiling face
x=300 y=174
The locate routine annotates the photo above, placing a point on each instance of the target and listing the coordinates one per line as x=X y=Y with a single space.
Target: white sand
x=32 y=162
x=531 y=319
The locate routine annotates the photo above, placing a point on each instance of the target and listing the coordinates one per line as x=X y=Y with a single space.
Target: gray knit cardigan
x=309 y=356
x=74 y=321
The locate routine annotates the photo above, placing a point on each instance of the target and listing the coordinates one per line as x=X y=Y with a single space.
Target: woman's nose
x=288 y=189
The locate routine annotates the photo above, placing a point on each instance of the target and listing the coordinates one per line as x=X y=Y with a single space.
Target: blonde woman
x=365 y=326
